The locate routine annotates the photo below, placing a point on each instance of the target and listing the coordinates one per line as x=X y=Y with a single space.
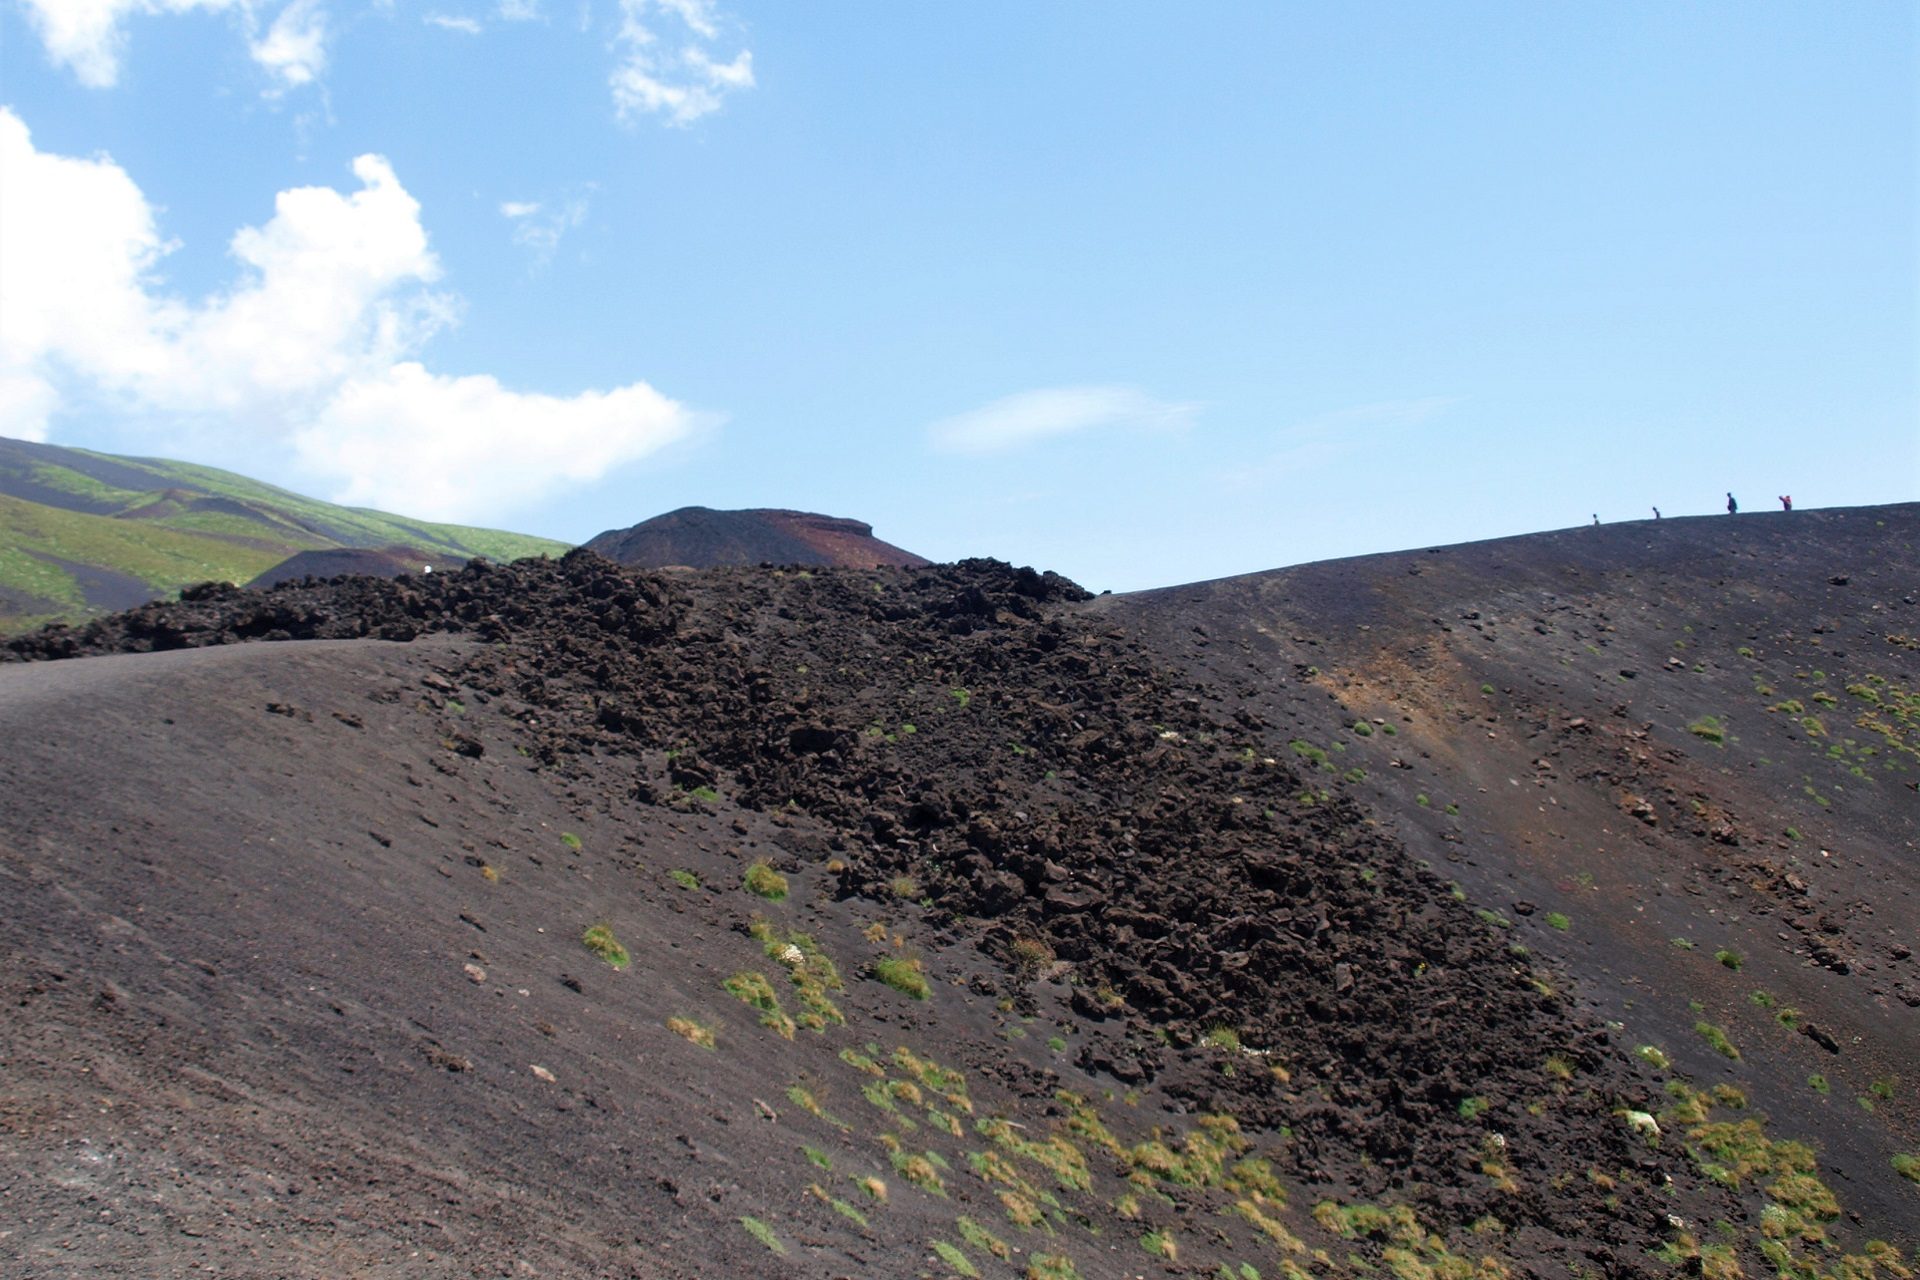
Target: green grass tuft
x=762 y=880
x=764 y=1234
x=904 y=975
x=600 y=940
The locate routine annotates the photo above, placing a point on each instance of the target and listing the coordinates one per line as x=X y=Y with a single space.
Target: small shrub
x=1718 y=1039
x=961 y=696
x=904 y=887
x=1907 y=1167
x=1472 y=1107
x=1029 y=956
x=764 y=1234
x=1558 y=920
x=1709 y=729
x=1362 y=728
x=692 y=1031
x=1221 y=1037
x=1487 y=689
x=1654 y=1057
x=903 y=974
x=1160 y=1244
x=600 y=940
x=1728 y=957
x=762 y=880
x=684 y=878
x=570 y=840
x=1052 y=1266
x=956 y=1259
x=1818 y=1083
x=982 y=1239
x=705 y=795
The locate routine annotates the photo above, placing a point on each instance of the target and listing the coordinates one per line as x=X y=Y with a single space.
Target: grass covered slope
x=83 y=533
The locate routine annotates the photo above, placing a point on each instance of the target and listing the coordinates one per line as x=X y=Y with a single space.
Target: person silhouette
x=1786 y=502
x=1733 y=508
x=1656 y=513
x=1596 y=519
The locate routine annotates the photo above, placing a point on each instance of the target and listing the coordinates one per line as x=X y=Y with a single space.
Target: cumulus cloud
x=294 y=49
x=1032 y=416
x=314 y=346
x=676 y=77
x=447 y=447
x=89 y=36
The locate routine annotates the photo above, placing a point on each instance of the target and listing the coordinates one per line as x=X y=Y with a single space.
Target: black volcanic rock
x=702 y=538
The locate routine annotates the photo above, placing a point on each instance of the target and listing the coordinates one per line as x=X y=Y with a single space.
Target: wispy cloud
x=314 y=349
x=89 y=36
x=1031 y=416
x=519 y=11
x=450 y=22
x=1316 y=442
x=676 y=76
x=540 y=226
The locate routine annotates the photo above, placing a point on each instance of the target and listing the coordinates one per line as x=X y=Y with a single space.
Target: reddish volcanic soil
x=701 y=538
x=292 y=943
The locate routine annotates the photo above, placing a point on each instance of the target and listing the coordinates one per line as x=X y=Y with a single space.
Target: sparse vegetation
x=684 y=878
x=1709 y=729
x=764 y=1234
x=570 y=840
x=1728 y=957
x=600 y=940
x=692 y=1031
x=1717 y=1038
x=763 y=881
x=959 y=1261
x=903 y=974
x=1558 y=920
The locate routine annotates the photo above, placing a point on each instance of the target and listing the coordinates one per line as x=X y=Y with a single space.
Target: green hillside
x=83 y=533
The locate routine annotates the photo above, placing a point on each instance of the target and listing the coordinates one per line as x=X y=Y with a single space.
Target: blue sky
x=1144 y=293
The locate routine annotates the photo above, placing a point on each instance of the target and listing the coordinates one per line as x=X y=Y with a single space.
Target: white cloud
x=541 y=227
x=519 y=10
x=1032 y=416
x=294 y=50
x=88 y=35
x=467 y=26
x=313 y=348
x=447 y=448
x=681 y=79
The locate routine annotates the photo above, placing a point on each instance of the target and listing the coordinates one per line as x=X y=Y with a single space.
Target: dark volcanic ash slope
x=702 y=538
x=388 y=562
x=1677 y=757
x=1115 y=878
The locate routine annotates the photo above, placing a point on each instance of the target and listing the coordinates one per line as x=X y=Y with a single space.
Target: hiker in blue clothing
x=1733 y=508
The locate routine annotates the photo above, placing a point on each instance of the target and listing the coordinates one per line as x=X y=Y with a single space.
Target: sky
x=1143 y=293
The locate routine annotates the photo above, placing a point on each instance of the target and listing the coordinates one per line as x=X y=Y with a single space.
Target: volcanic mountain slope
x=82 y=533
x=1186 y=1006
x=1679 y=759
x=702 y=538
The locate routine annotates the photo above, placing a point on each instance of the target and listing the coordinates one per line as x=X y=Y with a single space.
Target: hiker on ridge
x=1786 y=502
x=1656 y=513
x=1733 y=508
